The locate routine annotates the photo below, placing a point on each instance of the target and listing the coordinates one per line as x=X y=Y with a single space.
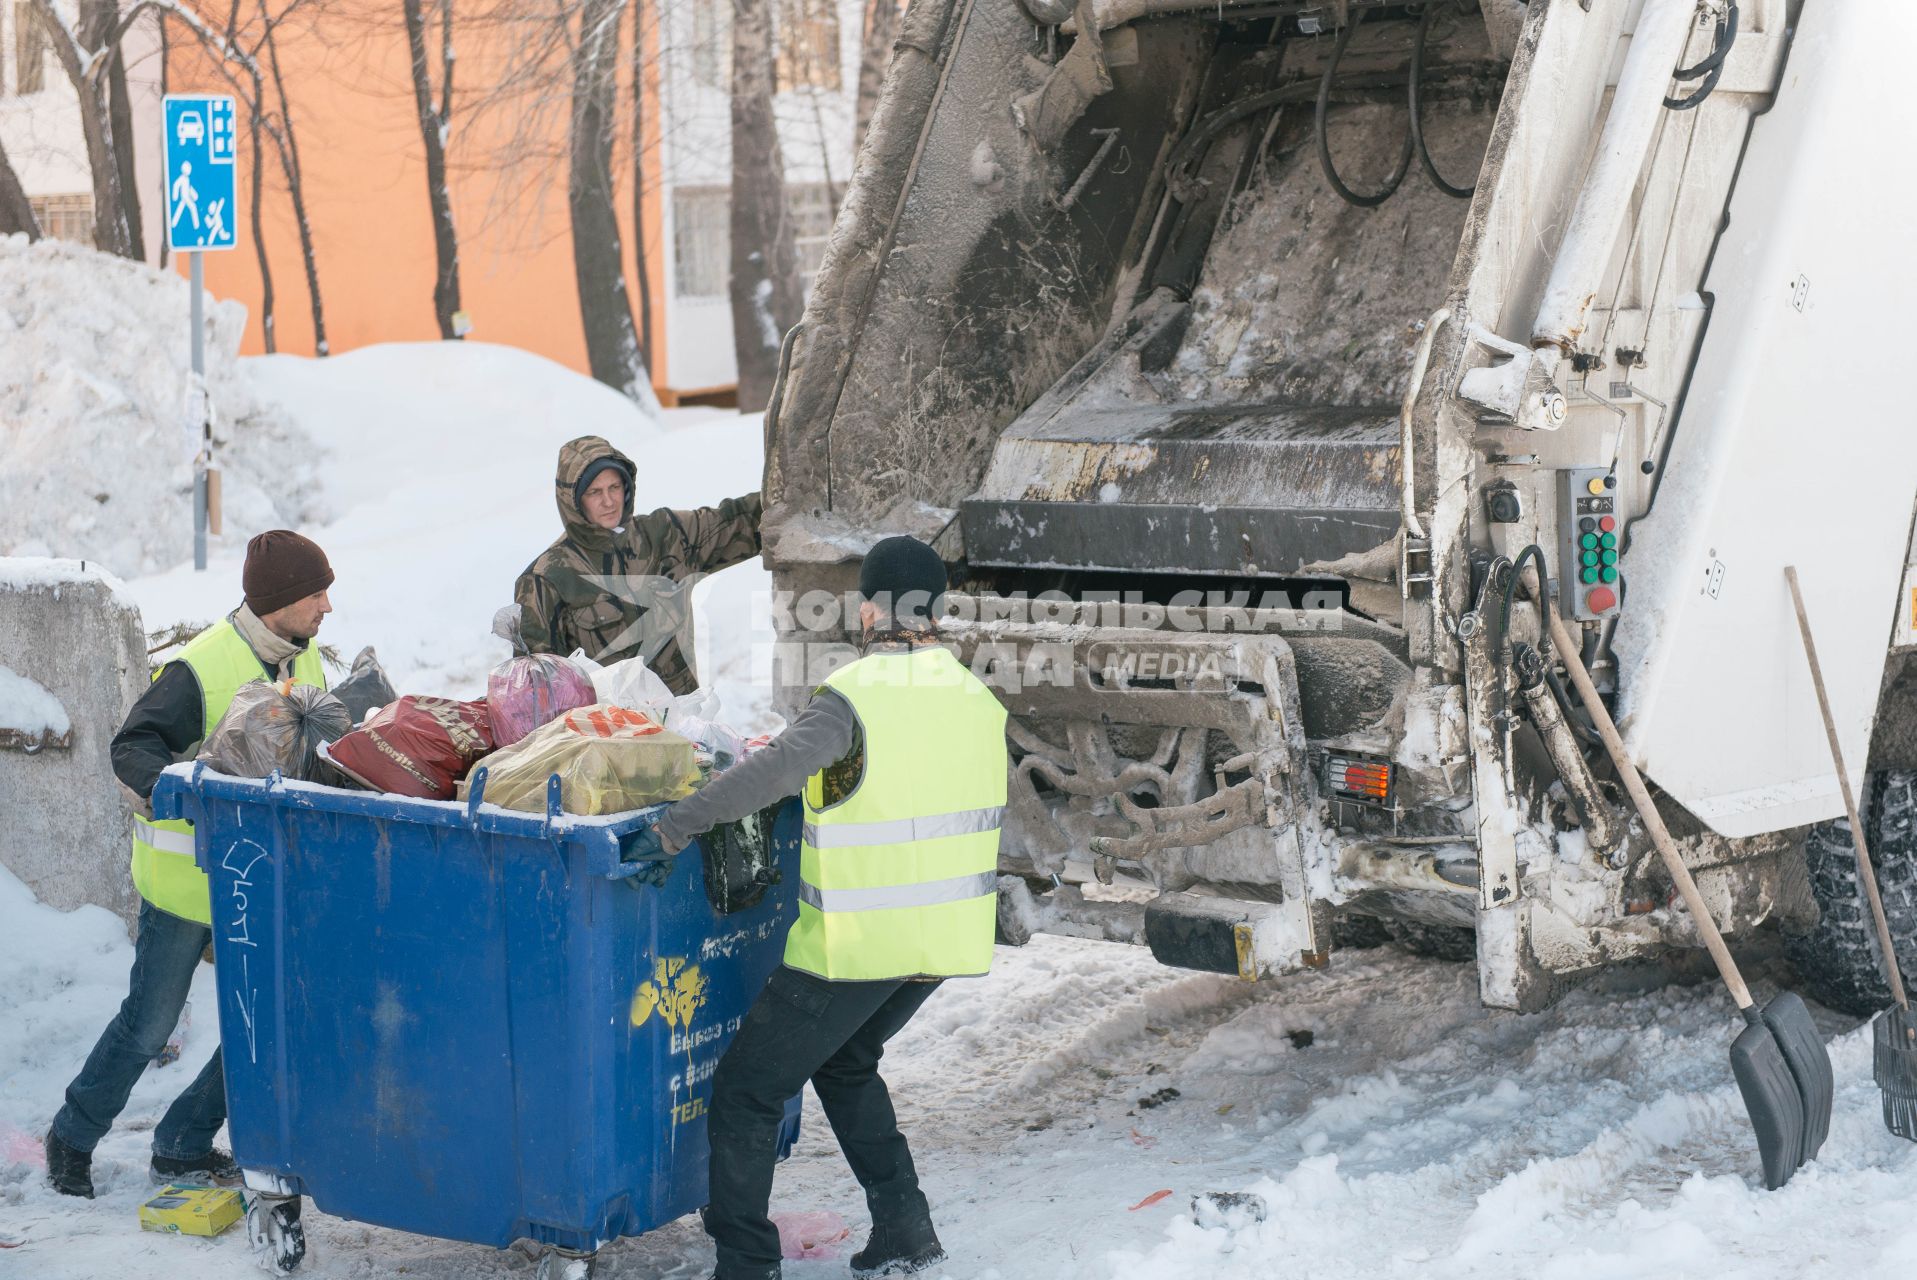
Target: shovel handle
x=1865 y=871
x=1641 y=798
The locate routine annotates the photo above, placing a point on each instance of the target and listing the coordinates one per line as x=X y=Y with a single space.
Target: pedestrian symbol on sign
x=200 y=171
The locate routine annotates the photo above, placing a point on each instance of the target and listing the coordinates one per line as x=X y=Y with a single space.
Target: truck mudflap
x=1175 y=758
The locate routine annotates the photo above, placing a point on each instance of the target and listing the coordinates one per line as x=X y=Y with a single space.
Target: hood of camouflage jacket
x=574 y=457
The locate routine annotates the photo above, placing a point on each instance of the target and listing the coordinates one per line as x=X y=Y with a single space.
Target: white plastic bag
x=629 y=684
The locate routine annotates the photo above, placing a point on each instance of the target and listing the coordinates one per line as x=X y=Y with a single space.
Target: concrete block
x=65 y=820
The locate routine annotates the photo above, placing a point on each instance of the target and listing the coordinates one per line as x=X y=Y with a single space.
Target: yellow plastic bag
x=608 y=760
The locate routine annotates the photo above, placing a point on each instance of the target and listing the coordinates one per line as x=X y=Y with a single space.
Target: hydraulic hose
x=1417 y=110
x=1711 y=69
x=1363 y=200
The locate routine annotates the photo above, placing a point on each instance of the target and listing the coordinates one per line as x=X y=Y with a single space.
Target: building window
x=807 y=40
x=701 y=242
x=712 y=43
x=64 y=217
x=702 y=236
x=29 y=49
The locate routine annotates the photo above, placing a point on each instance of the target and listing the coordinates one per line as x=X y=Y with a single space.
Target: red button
x=1600 y=600
x=1607 y=524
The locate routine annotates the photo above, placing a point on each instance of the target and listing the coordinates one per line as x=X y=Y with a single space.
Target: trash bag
x=524 y=693
x=509 y=625
x=365 y=687
x=629 y=684
x=416 y=746
x=721 y=743
x=274 y=726
x=739 y=861
x=609 y=759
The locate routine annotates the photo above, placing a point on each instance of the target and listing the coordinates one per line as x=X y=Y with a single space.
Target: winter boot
x=216 y=1168
x=748 y=1273
x=69 y=1169
x=898 y=1249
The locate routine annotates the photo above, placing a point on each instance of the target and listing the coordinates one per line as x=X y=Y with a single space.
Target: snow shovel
x=1895 y=1030
x=1779 y=1060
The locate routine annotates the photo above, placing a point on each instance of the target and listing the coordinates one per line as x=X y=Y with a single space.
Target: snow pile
x=95 y=457
x=438 y=459
x=28 y=709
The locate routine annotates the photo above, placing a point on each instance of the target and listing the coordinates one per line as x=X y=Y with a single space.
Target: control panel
x=1590 y=583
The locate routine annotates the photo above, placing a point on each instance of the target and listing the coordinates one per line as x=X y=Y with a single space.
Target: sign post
x=201 y=187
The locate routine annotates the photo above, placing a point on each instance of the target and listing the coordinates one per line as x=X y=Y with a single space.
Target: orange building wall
x=364 y=170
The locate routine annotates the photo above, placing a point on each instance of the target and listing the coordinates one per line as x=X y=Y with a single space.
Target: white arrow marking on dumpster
x=248 y=997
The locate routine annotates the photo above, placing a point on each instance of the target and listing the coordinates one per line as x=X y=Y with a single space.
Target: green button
x=1610 y=557
x=1610 y=575
x=1608 y=540
x=1588 y=540
x=1591 y=575
x=1590 y=557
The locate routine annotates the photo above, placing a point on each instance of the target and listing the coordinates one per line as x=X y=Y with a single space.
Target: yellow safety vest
x=897 y=880
x=163 y=867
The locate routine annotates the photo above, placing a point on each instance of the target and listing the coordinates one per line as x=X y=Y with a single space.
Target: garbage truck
x=1264 y=370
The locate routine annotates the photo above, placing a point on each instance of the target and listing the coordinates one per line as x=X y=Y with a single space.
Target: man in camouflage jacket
x=619 y=586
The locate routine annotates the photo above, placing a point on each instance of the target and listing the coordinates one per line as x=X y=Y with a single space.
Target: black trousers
x=833 y=1034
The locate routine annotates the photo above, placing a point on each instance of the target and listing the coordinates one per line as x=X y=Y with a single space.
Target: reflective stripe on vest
x=164 y=870
x=900 y=830
x=898 y=879
x=165 y=837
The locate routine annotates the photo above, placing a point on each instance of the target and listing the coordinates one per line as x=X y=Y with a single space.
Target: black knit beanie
x=905 y=577
x=282 y=567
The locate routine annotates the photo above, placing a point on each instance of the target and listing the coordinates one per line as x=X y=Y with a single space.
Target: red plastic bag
x=524 y=693
x=416 y=746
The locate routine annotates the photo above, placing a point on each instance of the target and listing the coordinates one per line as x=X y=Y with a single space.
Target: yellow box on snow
x=192 y=1211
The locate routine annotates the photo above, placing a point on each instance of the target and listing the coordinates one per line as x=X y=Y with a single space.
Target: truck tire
x=1434 y=941
x=1838 y=960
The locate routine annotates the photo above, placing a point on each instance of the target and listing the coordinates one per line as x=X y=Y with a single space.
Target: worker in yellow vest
x=269 y=637
x=901 y=759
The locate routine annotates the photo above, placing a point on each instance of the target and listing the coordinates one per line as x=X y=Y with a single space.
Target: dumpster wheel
x=566 y=1264
x=273 y=1227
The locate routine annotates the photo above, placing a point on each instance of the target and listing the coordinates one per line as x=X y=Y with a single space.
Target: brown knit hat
x=282 y=567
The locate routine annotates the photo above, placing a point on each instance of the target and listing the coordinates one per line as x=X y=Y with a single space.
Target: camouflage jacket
x=626 y=592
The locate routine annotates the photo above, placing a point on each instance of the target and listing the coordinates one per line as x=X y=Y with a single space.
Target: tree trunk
x=766 y=298
x=288 y=147
x=120 y=119
x=875 y=54
x=433 y=123
x=16 y=215
x=110 y=233
x=612 y=343
x=644 y=273
x=256 y=172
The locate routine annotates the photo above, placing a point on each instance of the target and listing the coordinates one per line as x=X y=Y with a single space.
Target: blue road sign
x=200 y=171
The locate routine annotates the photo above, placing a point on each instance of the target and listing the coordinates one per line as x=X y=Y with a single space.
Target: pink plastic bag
x=813 y=1233
x=523 y=694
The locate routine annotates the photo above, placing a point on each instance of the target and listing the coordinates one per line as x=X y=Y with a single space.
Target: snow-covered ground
x=1415 y=1134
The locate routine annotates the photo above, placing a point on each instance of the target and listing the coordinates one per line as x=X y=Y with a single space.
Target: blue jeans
x=165 y=954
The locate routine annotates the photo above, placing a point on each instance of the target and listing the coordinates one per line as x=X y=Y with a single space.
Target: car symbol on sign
x=191 y=128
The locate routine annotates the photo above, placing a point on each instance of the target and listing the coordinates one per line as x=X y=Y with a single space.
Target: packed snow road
x=1389 y=1124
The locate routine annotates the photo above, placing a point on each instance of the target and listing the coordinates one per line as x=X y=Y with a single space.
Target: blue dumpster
x=467 y=1022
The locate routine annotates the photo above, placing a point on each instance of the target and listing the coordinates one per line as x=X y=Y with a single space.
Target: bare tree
x=612 y=342
x=84 y=52
x=287 y=144
x=120 y=120
x=638 y=141
x=435 y=126
x=16 y=214
x=875 y=54
x=765 y=290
